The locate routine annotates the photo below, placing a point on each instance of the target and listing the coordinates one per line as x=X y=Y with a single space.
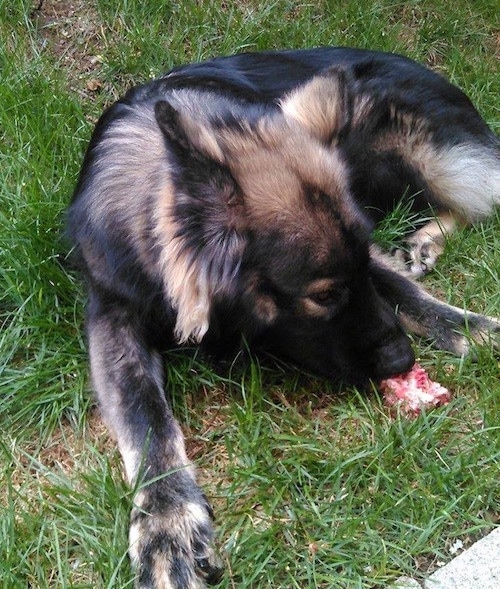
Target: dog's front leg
x=171 y=522
x=448 y=327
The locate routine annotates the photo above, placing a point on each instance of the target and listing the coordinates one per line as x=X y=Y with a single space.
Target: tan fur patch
x=318 y=106
x=363 y=105
x=202 y=138
x=266 y=308
x=274 y=163
x=188 y=290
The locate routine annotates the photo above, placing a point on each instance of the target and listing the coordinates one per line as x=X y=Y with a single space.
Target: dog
x=234 y=201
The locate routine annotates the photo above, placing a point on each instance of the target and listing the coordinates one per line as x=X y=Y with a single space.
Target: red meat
x=413 y=391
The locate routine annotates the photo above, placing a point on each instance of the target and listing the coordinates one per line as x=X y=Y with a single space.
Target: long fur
x=234 y=200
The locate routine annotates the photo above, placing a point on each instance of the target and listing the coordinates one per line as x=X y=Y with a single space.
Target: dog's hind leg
x=463 y=181
x=171 y=522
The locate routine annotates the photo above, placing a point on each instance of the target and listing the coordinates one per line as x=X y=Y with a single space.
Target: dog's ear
x=187 y=134
x=323 y=105
x=204 y=257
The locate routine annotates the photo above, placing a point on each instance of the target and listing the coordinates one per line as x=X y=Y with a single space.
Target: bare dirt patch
x=65 y=452
x=72 y=32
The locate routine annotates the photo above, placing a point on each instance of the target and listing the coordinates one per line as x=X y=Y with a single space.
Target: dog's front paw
x=480 y=329
x=171 y=540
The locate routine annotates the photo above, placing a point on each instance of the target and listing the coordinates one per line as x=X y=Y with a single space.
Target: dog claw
x=172 y=546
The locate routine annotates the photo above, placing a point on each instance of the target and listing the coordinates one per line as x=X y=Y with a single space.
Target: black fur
x=234 y=200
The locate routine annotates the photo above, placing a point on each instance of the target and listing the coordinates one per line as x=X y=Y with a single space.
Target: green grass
x=311 y=488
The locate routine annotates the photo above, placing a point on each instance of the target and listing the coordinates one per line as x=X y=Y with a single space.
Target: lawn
x=311 y=487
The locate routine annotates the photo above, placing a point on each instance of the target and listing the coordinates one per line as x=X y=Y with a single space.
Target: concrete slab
x=406 y=583
x=478 y=567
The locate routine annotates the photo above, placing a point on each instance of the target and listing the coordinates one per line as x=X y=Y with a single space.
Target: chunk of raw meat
x=413 y=391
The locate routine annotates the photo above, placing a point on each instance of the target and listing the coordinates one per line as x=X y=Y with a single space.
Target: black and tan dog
x=235 y=199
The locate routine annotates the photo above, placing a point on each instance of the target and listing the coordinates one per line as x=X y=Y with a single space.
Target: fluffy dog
x=235 y=200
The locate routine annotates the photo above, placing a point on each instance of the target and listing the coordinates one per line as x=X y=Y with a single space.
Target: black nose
x=393 y=358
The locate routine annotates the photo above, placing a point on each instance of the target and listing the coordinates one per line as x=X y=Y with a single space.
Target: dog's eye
x=325 y=297
x=325 y=302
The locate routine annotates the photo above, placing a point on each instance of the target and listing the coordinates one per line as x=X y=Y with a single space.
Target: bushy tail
x=464 y=178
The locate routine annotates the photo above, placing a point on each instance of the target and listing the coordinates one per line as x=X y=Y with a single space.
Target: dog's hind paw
x=426 y=245
x=422 y=256
x=171 y=541
x=417 y=258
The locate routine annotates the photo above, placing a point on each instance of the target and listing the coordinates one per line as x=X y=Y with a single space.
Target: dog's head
x=271 y=243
